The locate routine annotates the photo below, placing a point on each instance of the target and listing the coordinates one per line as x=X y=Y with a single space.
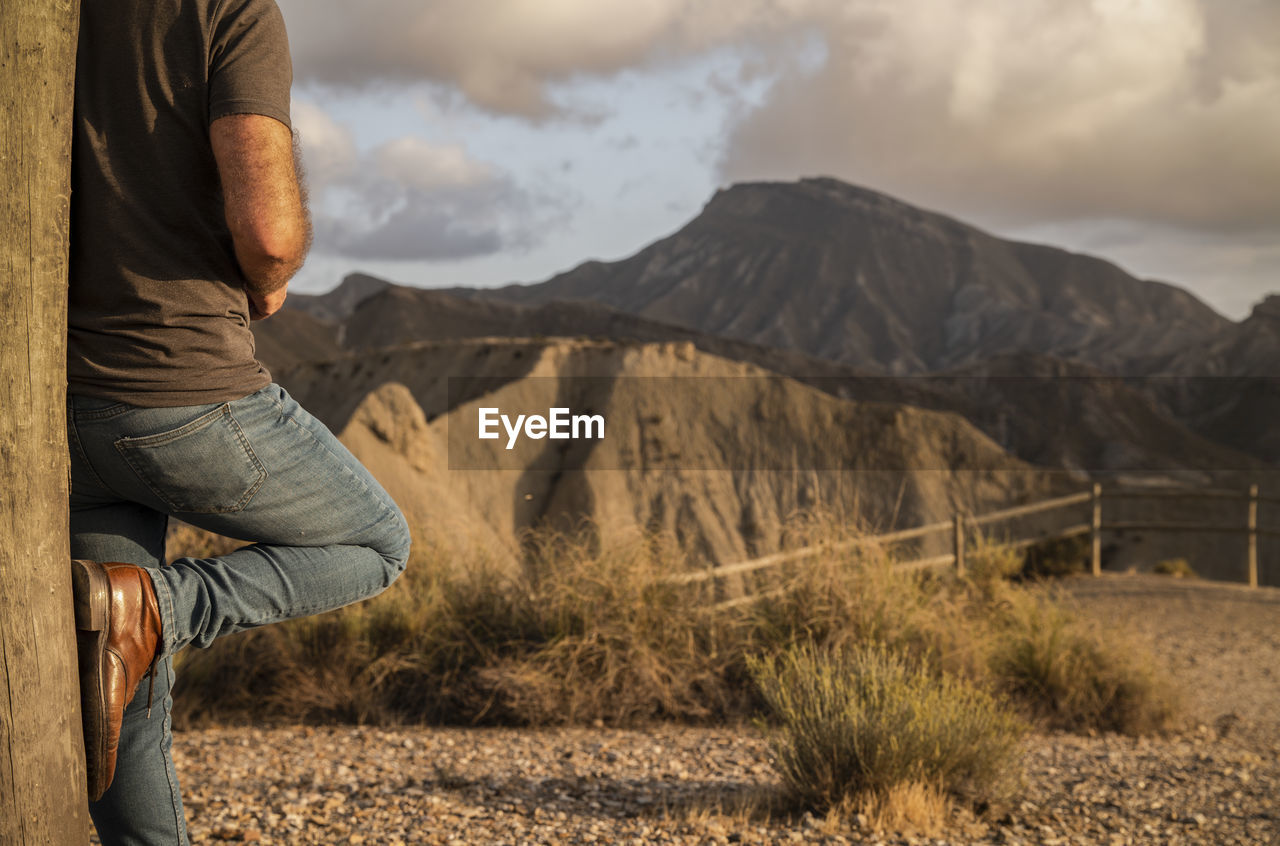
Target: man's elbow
x=280 y=246
x=286 y=249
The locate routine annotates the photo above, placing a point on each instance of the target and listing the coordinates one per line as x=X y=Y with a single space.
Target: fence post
x=1253 y=536
x=43 y=801
x=957 y=541
x=1096 y=533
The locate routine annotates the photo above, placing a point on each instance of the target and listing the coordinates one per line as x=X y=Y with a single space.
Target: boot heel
x=92 y=594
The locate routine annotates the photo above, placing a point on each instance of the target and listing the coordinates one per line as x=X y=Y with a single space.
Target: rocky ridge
x=850 y=275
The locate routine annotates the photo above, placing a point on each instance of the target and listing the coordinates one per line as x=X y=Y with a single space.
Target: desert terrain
x=1213 y=782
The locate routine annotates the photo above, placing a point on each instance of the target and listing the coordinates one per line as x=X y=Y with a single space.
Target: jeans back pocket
x=203 y=467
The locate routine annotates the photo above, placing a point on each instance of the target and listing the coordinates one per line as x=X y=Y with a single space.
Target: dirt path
x=1222 y=642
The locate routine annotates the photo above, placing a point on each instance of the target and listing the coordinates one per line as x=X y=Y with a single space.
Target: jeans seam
x=364 y=487
x=104 y=413
x=73 y=435
x=179 y=818
x=167 y=613
x=253 y=456
x=312 y=610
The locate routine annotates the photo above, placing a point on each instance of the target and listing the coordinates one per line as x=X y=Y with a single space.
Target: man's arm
x=265 y=209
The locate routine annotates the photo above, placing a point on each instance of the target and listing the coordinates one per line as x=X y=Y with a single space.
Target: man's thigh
x=105 y=526
x=119 y=531
x=259 y=468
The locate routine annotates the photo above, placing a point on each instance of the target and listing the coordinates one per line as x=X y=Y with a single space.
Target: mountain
x=796 y=345
x=853 y=276
x=292 y=336
x=1228 y=390
x=398 y=314
x=336 y=305
x=1072 y=415
x=834 y=286
x=716 y=453
x=1032 y=405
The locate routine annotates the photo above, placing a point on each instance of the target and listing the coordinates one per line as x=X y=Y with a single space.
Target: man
x=187 y=222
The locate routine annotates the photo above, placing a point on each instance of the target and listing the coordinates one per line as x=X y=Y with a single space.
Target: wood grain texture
x=42 y=777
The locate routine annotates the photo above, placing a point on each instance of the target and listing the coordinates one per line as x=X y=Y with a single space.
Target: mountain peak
x=832 y=195
x=848 y=274
x=341 y=302
x=1269 y=308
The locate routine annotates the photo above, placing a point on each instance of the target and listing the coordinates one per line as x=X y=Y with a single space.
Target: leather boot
x=117 y=638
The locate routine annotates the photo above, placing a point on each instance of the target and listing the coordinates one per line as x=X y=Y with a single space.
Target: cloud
x=1163 y=110
x=418 y=227
x=1155 y=110
x=503 y=54
x=1156 y=118
x=426 y=167
x=407 y=199
x=1233 y=270
x=328 y=148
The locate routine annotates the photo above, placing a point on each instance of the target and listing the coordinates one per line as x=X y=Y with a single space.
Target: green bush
x=864 y=720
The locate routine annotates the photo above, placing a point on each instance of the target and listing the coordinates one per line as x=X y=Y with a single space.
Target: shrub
x=1070 y=675
x=583 y=634
x=1176 y=567
x=989 y=565
x=864 y=721
x=579 y=636
x=613 y=640
x=1057 y=557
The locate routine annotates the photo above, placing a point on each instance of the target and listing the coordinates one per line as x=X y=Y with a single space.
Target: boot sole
x=92 y=592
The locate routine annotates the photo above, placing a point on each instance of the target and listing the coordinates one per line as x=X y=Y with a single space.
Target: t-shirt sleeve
x=249 y=67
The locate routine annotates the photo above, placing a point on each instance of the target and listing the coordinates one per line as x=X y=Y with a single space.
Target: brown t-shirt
x=157 y=314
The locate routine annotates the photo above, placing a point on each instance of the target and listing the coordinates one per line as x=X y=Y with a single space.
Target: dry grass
x=1069 y=673
x=733 y=807
x=1176 y=567
x=896 y=694
x=866 y=725
x=586 y=635
x=910 y=807
x=582 y=636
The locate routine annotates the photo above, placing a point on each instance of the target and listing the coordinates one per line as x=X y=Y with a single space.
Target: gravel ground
x=1221 y=641
x=1216 y=783
x=677 y=785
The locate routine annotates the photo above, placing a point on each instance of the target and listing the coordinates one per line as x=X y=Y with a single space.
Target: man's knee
x=395 y=548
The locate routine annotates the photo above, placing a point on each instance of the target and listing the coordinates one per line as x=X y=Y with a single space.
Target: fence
x=1250 y=527
x=960 y=525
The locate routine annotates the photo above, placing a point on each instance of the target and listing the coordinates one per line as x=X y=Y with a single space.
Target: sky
x=484 y=142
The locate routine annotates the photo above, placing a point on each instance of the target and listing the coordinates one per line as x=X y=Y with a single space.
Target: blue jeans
x=261 y=469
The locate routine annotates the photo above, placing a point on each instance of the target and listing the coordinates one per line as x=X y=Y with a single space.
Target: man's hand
x=265 y=209
x=262 y=307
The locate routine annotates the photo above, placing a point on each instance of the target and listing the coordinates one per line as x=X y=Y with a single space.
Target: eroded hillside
x=718 y=454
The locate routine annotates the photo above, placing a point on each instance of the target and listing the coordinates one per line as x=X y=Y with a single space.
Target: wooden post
x=1096 y=531
x=957 y=541
x=1253 y=536
x=42 y=774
